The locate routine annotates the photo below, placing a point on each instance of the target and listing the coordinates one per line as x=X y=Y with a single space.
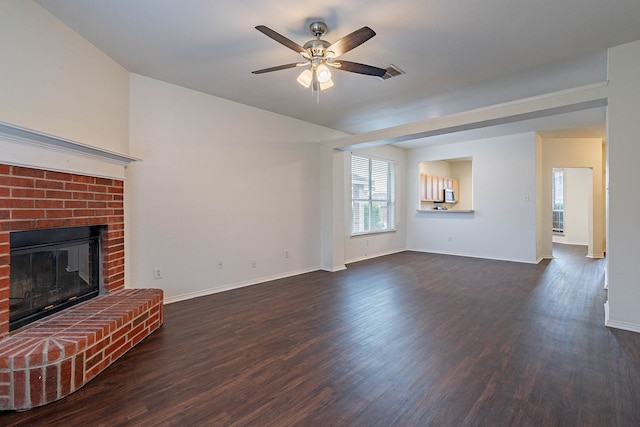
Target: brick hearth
x=36 y=199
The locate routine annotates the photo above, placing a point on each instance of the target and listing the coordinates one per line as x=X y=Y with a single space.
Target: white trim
x=625 y=326
x=335 y=268
x=366 y=257
x=549 y=104
x=472 y=256
x=25 y=147
x=237 y=285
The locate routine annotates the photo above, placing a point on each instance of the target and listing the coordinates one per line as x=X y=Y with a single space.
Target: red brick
x=96 y=205
x=114 y=346
x=96 y=348
x=115 y=190
x=20 y=182
x=97 y=188
x=17 y=225
x=59 y=176
x=36 y=386
x=16 y=203
x=121 y=332
x=94 y=360
x=101 y=196
x=78 y=371
x=59 y=194
x=75 y=204
x=54 y=352
x=98 y=220
x=66 y=370
x=51 y=380
x=49 y=223
x=27 y=213
x=122 y=350
x=58 y=213
x=19 y=388
x=79 y=195
x=4 y=169
x=49 y=204
x=76 y=222
x=91 y=373
x=27 y=193
x=83 y=212
x=50 y=185
x=22 y=171
x=84 y=178
x=74 y=186
x=104 y=181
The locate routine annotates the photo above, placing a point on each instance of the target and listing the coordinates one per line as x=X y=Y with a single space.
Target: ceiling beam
x=550 y=104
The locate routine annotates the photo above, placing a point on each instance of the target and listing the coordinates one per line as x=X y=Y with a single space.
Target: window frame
x=371 y=200
x=557 y=199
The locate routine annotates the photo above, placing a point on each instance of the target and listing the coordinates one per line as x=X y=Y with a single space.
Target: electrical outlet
x=286 y=254
x=253 y=263
x=219 y=263
x=157 y=273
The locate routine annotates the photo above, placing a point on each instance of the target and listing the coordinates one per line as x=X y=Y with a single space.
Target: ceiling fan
x=319 y=55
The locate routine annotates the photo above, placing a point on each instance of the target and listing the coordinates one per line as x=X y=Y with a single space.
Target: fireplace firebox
x=50 y=270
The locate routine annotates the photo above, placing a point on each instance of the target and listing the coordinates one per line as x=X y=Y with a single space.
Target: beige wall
x=574 y=153
x=55 y=82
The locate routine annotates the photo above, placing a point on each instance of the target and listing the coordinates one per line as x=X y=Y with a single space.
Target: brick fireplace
x=54 y=356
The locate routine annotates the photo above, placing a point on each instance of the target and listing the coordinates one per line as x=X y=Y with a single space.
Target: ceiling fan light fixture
x=305 y=78
x=325 y=85
x=324 y=75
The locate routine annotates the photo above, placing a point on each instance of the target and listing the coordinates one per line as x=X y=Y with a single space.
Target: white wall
x=372 y=245
x=578 y=206
x=218 y=181
x=503 y=224
x=623 y=152
x=55 y=82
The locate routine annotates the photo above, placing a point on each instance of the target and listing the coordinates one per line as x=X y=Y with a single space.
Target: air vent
x=392 y=71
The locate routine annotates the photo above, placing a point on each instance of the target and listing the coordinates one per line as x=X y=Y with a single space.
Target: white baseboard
x=334 y=268
x=625 y=326
x=362 y=258
x=428 y=251
x=230 y=286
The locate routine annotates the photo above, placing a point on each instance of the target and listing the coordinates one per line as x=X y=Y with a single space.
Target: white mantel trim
x=25 y=147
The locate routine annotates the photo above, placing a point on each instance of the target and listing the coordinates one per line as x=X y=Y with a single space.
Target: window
x=372 y=195
x=558 y=201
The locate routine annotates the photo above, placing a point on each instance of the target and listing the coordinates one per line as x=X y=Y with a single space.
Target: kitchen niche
x=446 y=185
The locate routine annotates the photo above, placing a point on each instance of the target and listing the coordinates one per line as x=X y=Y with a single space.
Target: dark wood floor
x=409 y=339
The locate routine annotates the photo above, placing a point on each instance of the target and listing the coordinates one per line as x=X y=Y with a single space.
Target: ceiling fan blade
x=354 y=67
x=351 y=41
x=278 y=68
x=281 y=39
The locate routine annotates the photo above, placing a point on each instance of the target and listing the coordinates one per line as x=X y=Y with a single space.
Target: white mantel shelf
x=26 y=147
x=448 y=211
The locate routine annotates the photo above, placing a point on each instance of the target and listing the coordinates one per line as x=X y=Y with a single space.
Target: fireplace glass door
x=51 y=270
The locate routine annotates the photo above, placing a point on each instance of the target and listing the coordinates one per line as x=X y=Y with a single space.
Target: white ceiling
x=457 y=55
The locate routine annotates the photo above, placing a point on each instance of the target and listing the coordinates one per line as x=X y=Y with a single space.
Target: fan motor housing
x=317 y=47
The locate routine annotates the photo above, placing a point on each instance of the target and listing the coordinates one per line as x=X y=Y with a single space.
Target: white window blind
x=372 y=198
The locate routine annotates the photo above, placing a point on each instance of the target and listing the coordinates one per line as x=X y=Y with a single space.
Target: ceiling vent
x=392 y=71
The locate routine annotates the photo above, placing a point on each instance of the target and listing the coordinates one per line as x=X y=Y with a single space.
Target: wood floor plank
x=409 y=339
